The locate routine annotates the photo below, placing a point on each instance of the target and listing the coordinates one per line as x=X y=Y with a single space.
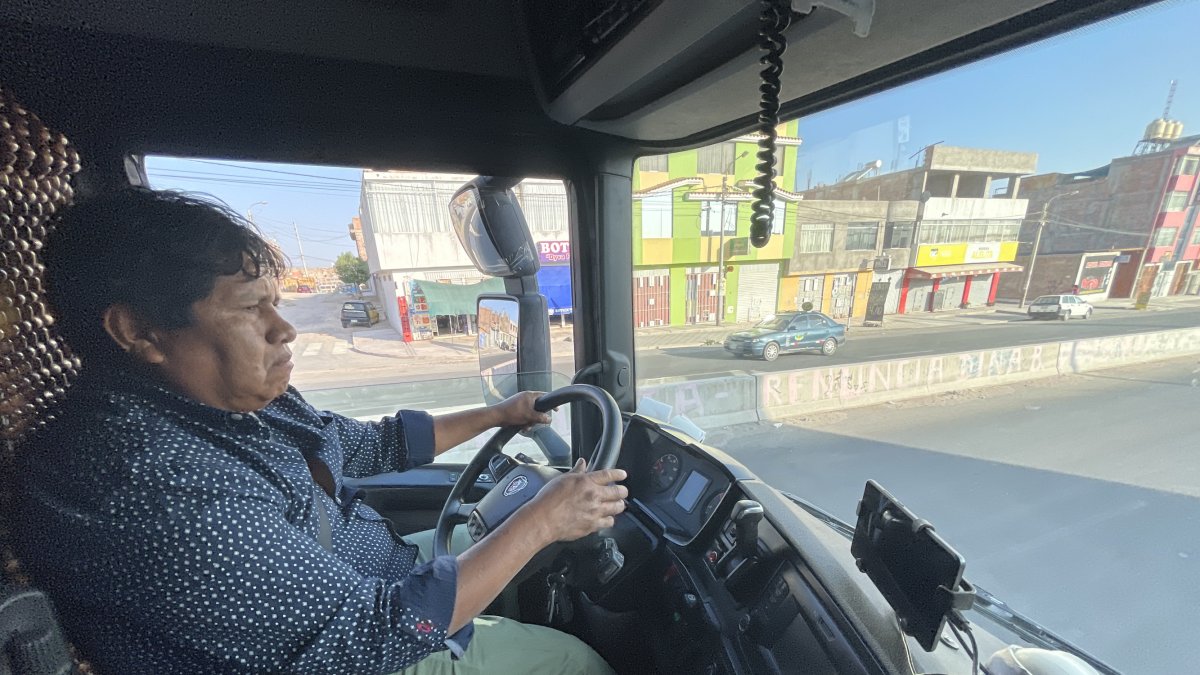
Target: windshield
x=927 y=219
x=380 y=290
x=774 y=323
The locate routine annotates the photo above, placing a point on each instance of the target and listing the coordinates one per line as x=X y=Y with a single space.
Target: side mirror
x=492 y=228
x=498 y=319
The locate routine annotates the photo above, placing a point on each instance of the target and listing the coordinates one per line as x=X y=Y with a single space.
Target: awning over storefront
x=555 y=283
x=453 y=299
x=945 y=271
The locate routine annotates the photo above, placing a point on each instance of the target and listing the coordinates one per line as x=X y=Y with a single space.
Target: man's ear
x=133 y=334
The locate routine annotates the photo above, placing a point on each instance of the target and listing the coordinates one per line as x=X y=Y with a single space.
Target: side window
x=800 y=323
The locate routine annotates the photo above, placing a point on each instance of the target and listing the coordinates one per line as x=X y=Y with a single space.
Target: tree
x=351 y=270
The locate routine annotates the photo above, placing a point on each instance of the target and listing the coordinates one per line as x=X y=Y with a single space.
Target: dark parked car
x=358 y=312
x=788 y=332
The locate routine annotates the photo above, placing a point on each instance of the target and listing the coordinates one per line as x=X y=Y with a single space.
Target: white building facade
x=409 y=236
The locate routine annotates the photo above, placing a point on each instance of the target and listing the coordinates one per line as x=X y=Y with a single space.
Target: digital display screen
x=690 y=493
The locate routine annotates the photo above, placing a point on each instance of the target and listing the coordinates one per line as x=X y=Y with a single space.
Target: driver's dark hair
x=156 y=252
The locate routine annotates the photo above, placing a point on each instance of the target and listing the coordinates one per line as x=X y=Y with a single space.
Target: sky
x=1078 y=100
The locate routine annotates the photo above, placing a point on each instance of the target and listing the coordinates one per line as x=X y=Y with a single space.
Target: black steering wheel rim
x=604 y=456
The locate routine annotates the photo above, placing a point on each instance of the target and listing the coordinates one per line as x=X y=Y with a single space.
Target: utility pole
x=721 y=254
x=1037 y=243
x=299 y=245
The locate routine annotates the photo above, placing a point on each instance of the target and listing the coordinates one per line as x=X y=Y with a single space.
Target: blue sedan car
x=788 y=332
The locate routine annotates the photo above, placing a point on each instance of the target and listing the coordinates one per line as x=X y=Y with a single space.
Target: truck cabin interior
x=567 y=89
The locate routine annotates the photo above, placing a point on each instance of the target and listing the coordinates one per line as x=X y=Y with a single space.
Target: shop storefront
x=952 y=286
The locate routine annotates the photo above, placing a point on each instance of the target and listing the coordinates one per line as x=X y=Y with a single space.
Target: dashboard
x=715 y=607
x=672 y=482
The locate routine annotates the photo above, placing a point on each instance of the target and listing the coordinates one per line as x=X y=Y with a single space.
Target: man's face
x=235 y=354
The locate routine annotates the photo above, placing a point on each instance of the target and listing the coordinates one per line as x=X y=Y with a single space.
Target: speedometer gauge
x=664 y=471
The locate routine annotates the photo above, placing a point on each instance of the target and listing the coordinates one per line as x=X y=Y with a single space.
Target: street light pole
x=1037 y=243
x=299 y=245
x=250 y=212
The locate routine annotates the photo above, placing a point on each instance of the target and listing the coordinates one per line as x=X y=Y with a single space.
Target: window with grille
x=544 y=205
x=657 y=212
x=1165 y=236
x=861 y=236
x=715 y=158
x=1176 y=201
x=815 y=238
x=898 y=235
x=654 y=163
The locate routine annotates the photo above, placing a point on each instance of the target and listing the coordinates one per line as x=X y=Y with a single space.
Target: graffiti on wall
x=841 y=383
x=1083 y=355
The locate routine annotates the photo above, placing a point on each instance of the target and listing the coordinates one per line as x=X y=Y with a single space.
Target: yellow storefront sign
x=965 y=254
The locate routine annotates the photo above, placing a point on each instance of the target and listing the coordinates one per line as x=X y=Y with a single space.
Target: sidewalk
x=384 y=341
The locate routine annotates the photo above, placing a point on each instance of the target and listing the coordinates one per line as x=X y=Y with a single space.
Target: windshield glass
x=774 y=323
x=380 y=290
x=926 y=220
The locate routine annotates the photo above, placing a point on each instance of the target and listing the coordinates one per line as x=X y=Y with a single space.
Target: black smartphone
x=917 y=572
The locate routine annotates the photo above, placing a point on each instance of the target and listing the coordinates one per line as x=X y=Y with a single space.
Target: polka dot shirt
x=175 y=537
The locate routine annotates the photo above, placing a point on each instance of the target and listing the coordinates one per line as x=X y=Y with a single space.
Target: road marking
x=312 y=349
x=339 y=348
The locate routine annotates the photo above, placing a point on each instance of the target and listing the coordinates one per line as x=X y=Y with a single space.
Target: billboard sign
x=554 y=252
x=1095 y=274
x=984 y=252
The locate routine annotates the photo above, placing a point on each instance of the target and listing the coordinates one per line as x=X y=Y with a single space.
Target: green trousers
x=504 y=646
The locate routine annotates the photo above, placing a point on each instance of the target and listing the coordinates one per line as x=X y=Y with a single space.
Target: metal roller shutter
x=918 y=295
x=981 y=287
x=952 y=292
x=758 y=286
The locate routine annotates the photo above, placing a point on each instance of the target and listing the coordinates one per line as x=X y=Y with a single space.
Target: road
x=324 y=357
x=1076 y=500
x=1008 y=330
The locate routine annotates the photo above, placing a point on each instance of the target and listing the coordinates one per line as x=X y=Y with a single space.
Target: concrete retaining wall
x=713 y=402
x=728 y=400
x=820 y=389
x=1080 y=356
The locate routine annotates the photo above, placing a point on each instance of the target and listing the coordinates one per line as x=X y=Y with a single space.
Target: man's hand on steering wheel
x=580 y=502
x=518 y=411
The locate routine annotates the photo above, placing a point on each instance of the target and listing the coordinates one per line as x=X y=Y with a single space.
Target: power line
x=1095 y=228
x=255 y=168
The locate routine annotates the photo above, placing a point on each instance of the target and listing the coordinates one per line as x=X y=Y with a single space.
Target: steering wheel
x=517 y=482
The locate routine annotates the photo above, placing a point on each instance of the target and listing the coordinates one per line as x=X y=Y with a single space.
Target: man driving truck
x=187 y=509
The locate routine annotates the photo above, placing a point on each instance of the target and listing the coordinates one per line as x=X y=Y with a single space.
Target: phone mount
x=917 y=572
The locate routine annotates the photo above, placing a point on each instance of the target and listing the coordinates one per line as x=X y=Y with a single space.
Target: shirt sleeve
x=396 y=443
x=221 y=574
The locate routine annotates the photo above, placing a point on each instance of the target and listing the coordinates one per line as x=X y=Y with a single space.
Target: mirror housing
x=492 y=228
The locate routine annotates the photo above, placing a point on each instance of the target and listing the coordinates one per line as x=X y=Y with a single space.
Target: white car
x=1060 y=307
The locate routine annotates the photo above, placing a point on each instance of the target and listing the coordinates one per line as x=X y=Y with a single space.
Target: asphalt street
x=1076 y=500
x=324 y=358
x=1008 y=330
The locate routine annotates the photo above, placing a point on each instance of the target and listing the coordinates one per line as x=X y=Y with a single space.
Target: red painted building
x=1144 y=205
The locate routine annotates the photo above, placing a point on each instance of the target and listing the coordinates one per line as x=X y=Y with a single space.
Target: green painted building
x=689 y=207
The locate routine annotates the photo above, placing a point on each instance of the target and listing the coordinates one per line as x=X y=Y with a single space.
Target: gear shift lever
x=746 y=516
